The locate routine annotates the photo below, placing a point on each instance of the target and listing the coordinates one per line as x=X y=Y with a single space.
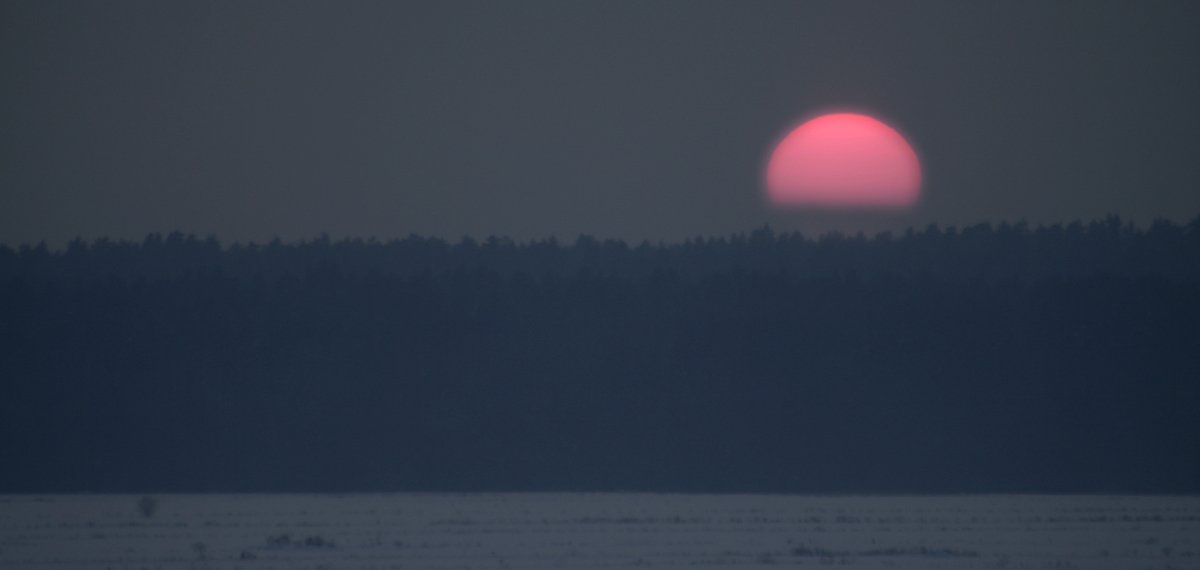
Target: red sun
x=844 y=160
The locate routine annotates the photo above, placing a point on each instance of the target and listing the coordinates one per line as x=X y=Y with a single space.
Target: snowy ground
x=566 y=531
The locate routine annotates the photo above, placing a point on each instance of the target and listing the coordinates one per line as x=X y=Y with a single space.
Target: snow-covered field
x=565 y=531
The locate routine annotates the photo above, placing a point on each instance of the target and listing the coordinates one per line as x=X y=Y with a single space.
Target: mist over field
x=594 y=531
x=989 y=358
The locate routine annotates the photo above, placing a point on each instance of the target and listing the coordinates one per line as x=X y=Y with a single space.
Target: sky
x=623 y=119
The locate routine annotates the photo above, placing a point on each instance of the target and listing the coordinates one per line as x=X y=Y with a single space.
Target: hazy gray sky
x=646 y=119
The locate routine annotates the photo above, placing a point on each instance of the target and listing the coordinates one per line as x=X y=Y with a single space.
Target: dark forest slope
x=987 y=359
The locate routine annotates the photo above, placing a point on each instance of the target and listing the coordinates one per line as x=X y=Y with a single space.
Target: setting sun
x=844 y=160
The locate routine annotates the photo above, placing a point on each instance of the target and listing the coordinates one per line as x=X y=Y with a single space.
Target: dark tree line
x=982 y=359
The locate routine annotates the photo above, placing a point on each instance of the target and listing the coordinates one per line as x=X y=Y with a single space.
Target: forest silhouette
x=987 y=358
